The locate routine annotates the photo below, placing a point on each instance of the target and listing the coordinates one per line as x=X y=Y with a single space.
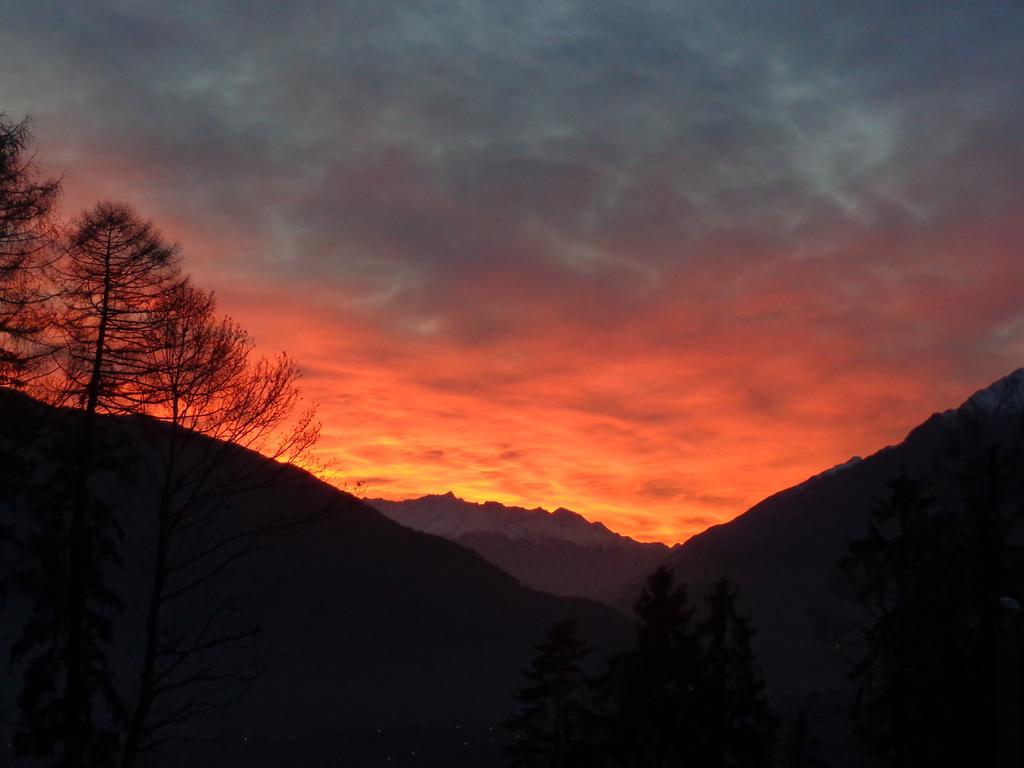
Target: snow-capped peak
x=840 y=467
x=448 y=515
x=1007 y=394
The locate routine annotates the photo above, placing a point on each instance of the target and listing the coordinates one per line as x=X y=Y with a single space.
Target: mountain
x=370 y=626
x=559 y=552
x=365 y=623
x=783 y=552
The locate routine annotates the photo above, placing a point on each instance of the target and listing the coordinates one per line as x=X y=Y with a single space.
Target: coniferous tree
x=654 y=712
x=940 y=560
x=907 y=576
x=114 y=273
x=25 y=206
x=27 y=201
x=43 y=650
x=26 y=231
x=131 y=336
x=736 y=727
x=798 y=748
x=881 y=567
x=979 y=482
x=547 y=730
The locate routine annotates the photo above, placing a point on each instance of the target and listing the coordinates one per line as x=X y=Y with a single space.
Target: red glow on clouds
x=648 y=264
x=680 y=418
x=658 y=405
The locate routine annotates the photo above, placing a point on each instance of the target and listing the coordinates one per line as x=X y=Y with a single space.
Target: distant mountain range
x=559 y=552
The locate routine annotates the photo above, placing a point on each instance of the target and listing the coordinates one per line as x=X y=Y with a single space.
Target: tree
x=798 y=748
x=930 y=579
x=26 y=230
x=737 y=729
x=117 y=275
x=140 y=339
x=53 y=711
x=655 y=702
x=908 y=576
x=115 y=272
x=209 y=399
x=978 y=481
x=548 y=726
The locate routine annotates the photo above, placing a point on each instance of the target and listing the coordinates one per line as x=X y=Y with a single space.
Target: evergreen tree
x=915 y=677
x=798 y=748
x=654 y=717
x=114 y=274
x=43 y=647
x=19 y=436
x=26 y=230
x=979 y=481
x=736 y=727
x=546 y=731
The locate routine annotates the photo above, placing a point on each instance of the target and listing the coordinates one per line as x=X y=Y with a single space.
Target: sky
x=651 y=261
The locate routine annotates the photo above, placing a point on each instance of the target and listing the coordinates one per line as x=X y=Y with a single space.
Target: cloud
x=650 y=262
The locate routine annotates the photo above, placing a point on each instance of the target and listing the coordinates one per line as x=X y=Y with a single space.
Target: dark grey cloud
x=655 y=257
x=407 y=145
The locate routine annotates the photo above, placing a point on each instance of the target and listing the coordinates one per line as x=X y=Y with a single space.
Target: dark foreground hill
x=783 y=552
x=365 y=624
x=559 y=552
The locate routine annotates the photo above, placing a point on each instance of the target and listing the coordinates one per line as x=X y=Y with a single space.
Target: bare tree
x=26 y=230
x=115 y=273
x=138 y=338
x=204 y=383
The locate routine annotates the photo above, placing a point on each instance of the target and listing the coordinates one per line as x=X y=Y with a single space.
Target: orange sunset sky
x=649 y=263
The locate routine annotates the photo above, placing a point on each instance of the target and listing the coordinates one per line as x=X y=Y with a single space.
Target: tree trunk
x=76 y=694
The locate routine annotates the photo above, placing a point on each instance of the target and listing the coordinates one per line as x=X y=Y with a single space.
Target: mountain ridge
x=783 y=551
x=558 y=551
x=465 y=516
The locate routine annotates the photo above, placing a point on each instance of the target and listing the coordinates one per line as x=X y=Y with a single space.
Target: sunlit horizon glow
x=649 y=264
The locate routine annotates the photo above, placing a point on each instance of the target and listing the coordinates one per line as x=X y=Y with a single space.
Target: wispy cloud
x=650 y=261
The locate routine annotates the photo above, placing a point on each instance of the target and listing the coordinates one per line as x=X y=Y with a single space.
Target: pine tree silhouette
x=114 y=271
x=547 y=729
x=925 y=682
x=798 y=748
x=655 y=700
x=736 y=728
x=26 y=232
x=42 y=648
x=889 y=569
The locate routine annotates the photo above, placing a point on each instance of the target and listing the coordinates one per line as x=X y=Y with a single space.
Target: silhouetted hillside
x=365 y=623
x=783 y=552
